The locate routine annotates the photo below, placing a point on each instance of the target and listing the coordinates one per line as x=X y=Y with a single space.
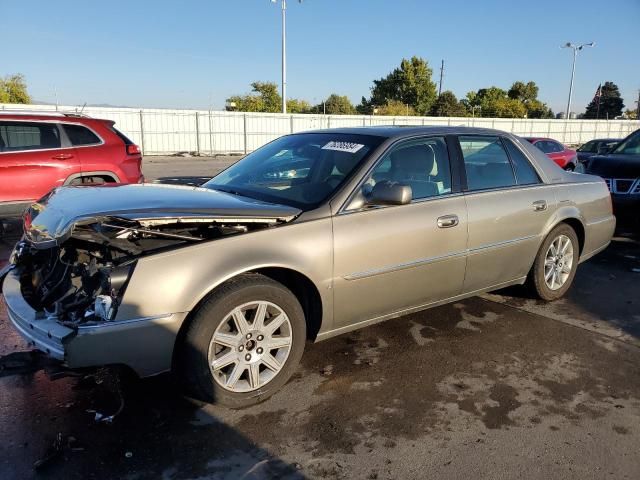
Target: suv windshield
x=301 y=170
x=630 y=146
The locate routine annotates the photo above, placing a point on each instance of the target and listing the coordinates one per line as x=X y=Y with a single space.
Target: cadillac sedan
x=313 y=235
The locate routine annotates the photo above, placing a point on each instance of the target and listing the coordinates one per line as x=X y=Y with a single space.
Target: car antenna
x=82 y=109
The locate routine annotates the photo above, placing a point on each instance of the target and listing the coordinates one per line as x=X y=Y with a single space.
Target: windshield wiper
x=227 y=190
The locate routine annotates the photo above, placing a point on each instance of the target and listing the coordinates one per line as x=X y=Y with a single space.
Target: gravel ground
x=500 y=386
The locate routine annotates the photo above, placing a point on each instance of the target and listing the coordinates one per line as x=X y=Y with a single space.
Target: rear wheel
x=244 y=342
x=570 y=167
x=556 y=262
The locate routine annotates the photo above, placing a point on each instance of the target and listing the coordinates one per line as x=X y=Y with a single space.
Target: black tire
x=537 y=275
x=570 y=167
x=193 y=364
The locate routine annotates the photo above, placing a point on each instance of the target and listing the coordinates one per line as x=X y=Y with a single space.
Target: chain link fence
x=209 y=132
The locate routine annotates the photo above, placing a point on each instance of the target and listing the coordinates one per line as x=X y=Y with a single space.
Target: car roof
x=71 y=117
x=536 y=139
x=399 y=131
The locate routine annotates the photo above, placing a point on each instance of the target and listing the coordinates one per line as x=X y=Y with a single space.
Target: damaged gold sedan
x=313 y=235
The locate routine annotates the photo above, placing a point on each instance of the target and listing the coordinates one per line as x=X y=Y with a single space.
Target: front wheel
x=556 y=262
x=244 y=342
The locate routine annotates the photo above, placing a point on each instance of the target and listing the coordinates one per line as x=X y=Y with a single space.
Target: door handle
x=62 y=156
x=448 y=221
x=539 y=205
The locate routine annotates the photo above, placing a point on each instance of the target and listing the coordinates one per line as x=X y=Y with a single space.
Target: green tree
x=447 y=105
x=611 y=103
x=527 y=93
x=336 y=105
x=13 y=89
x=524 y=92
x=365 y=107
x=394 y=108
x=537 y=109
x=409 y=84
x=496 y=102
x=298 y=106
x=265 y=98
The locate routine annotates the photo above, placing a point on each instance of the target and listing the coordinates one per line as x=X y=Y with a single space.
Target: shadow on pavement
x=606 y=289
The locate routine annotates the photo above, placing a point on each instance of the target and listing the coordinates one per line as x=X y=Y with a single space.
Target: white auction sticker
x=348 y=147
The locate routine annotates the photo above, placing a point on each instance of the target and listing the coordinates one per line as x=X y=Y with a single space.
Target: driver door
x=389 y=259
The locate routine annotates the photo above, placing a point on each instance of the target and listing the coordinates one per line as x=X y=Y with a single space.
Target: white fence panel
x=201 y=132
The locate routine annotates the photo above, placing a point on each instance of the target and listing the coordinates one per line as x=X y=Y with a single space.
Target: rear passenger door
x=34 y=158
x=508 y=206
x=84 y=140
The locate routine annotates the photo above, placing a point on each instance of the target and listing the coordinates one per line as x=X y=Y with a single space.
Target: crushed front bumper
x=144 y=344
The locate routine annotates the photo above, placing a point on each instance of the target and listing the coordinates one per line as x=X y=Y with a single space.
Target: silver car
x=313 y=235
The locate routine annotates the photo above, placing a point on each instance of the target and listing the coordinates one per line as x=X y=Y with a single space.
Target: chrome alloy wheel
x=558 y=262
x=250 y=346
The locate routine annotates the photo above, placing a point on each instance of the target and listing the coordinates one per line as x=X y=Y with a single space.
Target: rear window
x=16 y=136
x=525 y=173
x=79 y=135
x=122 y=136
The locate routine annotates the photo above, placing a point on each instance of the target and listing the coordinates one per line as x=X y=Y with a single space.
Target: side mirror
x=390 y=193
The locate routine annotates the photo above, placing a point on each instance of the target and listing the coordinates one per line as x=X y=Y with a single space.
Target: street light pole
x=575 y=48
x=284 y=52
x=284 y=56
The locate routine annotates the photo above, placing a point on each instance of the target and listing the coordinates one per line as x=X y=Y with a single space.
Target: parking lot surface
x=500 y=386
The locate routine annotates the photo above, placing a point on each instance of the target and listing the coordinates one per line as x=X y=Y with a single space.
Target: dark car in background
x=597 y=146
x=621 y=170
x=563 y=156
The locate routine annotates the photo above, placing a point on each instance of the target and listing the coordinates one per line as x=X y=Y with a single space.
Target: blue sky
x=193 y=54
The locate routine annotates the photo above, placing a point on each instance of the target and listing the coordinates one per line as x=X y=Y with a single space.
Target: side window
x=525 y=173
x=421 y=164
x=486 y=163
x=17 y=136
x=556 y=147
x=544 y=146
x=79 y=135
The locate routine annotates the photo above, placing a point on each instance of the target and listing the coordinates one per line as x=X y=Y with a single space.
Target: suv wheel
x=244 y=342
x=555 y=265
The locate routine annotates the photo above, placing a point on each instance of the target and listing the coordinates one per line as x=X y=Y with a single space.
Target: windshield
x=589 y=147
x=630 y=146
x=301 y=170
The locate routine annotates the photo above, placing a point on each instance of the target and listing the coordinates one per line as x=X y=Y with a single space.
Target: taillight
x=133 y=150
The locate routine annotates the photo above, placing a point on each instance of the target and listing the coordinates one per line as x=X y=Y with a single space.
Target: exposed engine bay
x=83 y=279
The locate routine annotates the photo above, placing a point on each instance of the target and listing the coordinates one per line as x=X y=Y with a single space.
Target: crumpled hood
x=51 y=220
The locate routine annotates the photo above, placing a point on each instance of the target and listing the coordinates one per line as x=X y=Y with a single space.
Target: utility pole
x=576 y=49
x=441 y=75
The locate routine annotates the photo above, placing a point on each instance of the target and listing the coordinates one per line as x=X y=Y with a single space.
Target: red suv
x=563 y=156
x=40 y=151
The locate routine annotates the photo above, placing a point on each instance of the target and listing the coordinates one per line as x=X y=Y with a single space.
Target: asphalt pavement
x=499 y=386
